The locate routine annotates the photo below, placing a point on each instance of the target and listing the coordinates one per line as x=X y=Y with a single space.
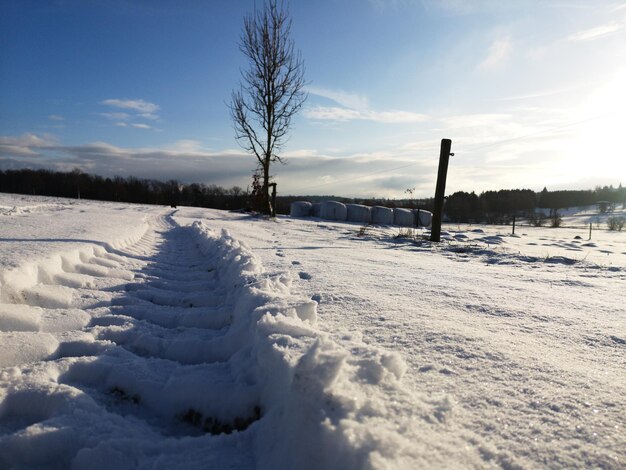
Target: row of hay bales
x=379 y=215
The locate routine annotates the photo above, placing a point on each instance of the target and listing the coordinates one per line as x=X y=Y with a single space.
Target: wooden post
x=590 y=227
x=513 y=225
x=440 y=191
x=273 y=185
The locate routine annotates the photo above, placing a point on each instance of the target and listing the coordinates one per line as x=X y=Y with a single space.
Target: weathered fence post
x=513 y=225
x=440 y=191
x=590 y=227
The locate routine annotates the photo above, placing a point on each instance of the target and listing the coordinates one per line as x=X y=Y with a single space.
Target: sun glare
x=601 y=149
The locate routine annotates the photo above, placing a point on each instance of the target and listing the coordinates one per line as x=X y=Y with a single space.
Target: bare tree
x=271 y=92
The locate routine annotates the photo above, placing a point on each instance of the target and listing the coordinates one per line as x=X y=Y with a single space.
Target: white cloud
x=324 y=113
x=355 y=107
x=150 y=116
x=56 y=117
x=540 y=94
x=499 y=51
x=595 y=33
x=140 y=106
x=26 y=145
x=134 y=110
x=343 y=98
x=116 y=116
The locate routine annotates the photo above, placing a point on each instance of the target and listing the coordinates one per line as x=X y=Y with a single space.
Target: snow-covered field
x=144 y=337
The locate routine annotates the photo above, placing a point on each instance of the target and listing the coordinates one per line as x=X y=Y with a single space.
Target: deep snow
x=140 y=337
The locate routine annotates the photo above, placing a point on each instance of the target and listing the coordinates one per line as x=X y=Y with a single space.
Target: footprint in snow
x=304 y=275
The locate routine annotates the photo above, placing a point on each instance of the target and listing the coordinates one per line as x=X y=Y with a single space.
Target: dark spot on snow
x=295 y=263
x=122 y=395
x=304 y=275
x=559 y=260
x=214 y=426
x=578 y=237
x=618 y=340
x=316 y=297
x=554 y=407
x=426 y=368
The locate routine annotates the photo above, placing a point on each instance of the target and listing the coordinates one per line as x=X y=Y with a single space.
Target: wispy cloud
x=343 y=98
x=540 y=94
x=324 y=113
x=26 y=145
x=499 y=51
x=135 y=125
x=116 y=116
x=185 y=160
x=355 y=107
x=56 y=117
x=140 y=106
x=596 y=33
x=133 y=110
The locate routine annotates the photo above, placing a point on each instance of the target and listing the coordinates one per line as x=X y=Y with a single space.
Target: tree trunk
x=267 y=207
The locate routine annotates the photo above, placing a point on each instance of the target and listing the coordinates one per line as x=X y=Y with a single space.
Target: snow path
x=174 y=348
x=86 y=327
x=528 y=351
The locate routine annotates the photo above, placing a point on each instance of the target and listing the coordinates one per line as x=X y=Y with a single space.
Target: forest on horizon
x=461 y=206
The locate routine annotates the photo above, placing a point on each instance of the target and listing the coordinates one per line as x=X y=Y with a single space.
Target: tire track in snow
x=143 y=353
x=171 y=313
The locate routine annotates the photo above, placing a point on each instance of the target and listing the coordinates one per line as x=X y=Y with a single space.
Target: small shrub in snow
x=536 y=219
x=616 y=223
x=406 y=233
x=363 y=231
x=555 y=219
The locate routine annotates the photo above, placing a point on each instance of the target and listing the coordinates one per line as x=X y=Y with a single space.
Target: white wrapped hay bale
x=359 y=213
x=333 y=210
x=316 y=209
x=301 y=209
x=403 y=217
x=382 y=215
x=423 y=218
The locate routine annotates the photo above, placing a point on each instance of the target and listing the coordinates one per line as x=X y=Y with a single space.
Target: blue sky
x=532 y=93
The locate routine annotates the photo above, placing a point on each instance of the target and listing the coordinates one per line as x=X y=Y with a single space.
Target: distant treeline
x=76 y=184
x=500 y=206
x=489 y=206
